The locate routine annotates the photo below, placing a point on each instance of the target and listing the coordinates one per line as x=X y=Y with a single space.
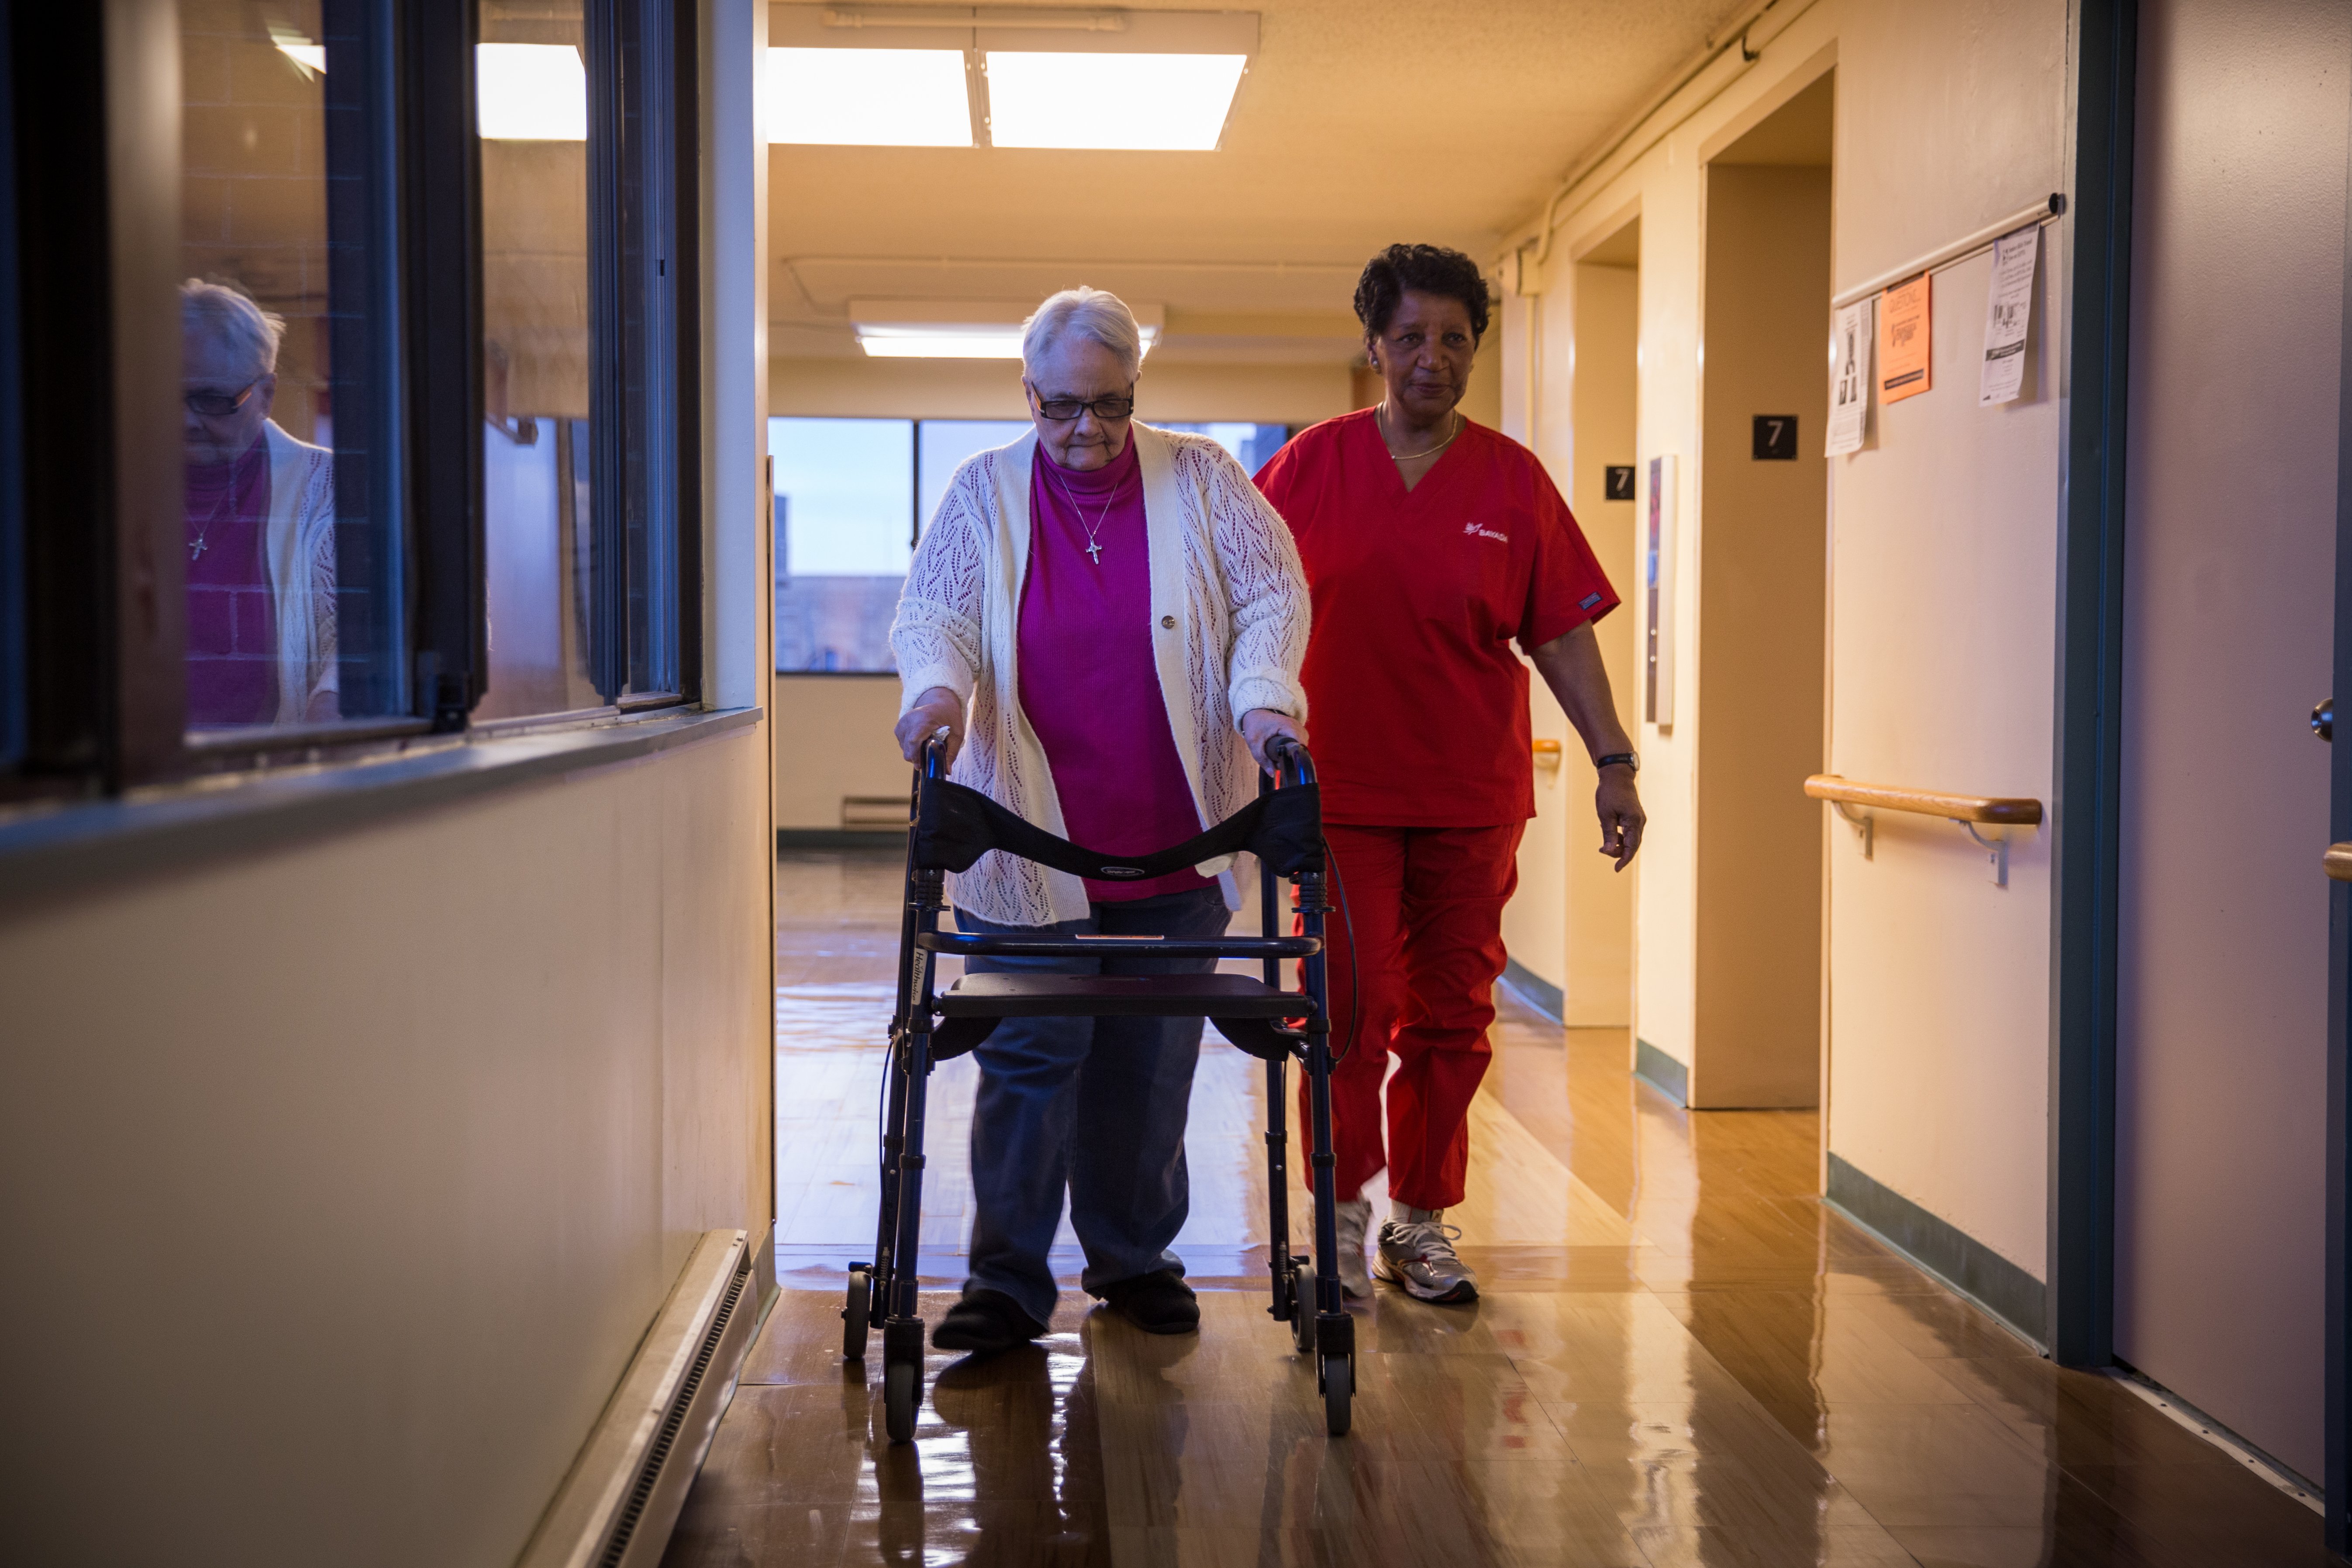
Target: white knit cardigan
x=1229 y=611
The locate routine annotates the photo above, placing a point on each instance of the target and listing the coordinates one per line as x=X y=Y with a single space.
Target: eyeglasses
x=1062 y=410
x=213 y=405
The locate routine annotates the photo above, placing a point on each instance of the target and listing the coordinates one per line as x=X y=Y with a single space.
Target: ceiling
x=1361 y=122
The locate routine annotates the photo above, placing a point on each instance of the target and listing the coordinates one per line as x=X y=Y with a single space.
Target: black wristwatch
x=1613 y=758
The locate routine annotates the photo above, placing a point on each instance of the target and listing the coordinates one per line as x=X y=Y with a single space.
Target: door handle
x=2323 y=721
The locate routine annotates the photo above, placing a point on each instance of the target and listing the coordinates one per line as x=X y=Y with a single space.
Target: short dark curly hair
x=1425 y=269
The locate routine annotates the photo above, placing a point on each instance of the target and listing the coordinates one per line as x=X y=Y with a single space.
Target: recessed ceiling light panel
x=1129 y=103
x=872 y=98
x=530 y=92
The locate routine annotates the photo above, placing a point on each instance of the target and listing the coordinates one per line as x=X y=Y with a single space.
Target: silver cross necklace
x=1094 y=545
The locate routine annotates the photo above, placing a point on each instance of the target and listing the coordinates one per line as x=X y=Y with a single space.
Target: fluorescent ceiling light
x=530 y=92
x=940 y=340
x=872 y=98
x=935 y=342
x=1123 y=101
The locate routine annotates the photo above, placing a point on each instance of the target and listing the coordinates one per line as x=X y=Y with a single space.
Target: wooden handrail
x=2337 y=862
x=2005 y=809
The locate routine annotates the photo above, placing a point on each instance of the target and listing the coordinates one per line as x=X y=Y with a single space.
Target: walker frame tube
x=1286 y=1307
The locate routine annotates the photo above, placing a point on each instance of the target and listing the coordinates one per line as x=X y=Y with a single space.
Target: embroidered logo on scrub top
x=1472 y=528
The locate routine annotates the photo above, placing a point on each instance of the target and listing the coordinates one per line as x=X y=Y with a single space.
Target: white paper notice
x=2009 y=309
x=1851 y=334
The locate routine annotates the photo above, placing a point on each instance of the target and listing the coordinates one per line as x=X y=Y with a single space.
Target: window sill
x=48 y=852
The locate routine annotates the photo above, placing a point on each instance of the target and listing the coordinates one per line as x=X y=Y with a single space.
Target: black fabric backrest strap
x=954 y=826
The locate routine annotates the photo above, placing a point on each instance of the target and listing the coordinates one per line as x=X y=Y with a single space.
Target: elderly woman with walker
x=1432 y=544
x=1106 y=622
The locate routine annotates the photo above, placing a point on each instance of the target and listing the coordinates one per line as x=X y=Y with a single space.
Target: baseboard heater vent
x=873 y=812
x=617 y=1508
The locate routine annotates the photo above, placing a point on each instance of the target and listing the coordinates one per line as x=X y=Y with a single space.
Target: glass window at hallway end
x=295 y=560
x=844 y=512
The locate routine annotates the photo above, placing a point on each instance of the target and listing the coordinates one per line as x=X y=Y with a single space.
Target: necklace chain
x=1459 y=424
x=1094 y=546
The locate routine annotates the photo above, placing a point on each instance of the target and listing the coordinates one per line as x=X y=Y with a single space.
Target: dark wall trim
x=1661 y=1072
x=47 y=855
x=2086 y=791
x=2335 y=1463
x=1957 y=1259
x=1535 y=991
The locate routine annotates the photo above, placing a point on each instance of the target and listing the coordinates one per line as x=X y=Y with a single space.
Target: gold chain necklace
x=1459 y=424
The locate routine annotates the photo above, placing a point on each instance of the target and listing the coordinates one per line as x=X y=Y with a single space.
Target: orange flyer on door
x=1902 y=346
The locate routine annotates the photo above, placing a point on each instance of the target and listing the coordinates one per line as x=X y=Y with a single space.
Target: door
x=2222 y=1007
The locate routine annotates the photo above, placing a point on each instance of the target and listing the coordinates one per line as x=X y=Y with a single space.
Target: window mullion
x=440 y=252
x=608 y=359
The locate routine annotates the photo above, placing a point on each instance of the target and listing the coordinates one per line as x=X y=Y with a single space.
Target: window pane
x=538 y=499
x=1252 y=445
x=845 y=516
x=946 y=443
x=295 y=560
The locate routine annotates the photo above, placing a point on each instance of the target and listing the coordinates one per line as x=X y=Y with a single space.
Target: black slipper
x=1158 y=1303
x=984 y=1322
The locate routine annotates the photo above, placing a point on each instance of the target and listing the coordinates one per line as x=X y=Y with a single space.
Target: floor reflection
x=1681 y=1358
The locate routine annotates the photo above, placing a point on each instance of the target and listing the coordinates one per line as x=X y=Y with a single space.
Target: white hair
x=244 y=328
x=1096 y=315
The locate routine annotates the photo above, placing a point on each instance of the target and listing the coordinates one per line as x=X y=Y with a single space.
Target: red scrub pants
x=1427 y=908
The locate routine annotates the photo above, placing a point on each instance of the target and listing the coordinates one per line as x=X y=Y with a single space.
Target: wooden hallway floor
x=1681 y=1357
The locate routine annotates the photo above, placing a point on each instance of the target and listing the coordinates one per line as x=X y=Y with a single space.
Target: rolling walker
x=951 y=827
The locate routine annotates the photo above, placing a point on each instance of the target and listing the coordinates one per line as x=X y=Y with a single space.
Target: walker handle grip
x=1284 y=752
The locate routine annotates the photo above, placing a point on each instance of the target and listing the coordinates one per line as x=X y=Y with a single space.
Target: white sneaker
x=1418 y=1253
x=1354 y=1217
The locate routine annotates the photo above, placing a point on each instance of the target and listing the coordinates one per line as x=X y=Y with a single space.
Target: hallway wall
x=833 y=740
x=1941 y=582
x=349 y=1176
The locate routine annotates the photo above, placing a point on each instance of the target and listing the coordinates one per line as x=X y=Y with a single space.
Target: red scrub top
x=1417 y=707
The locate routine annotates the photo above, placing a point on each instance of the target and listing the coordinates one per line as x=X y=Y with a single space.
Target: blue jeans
x=1095 y=1105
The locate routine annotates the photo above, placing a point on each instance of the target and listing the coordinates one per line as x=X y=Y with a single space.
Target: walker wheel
x=1338 y=1390
x=856 y=1314
x=1302 y=1307
x=902 y=1391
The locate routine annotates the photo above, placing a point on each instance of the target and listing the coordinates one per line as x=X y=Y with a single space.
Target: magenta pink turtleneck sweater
x=1088 y=682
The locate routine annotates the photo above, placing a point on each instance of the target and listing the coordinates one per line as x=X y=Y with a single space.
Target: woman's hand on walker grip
x=936 y=710
x=1261 y=725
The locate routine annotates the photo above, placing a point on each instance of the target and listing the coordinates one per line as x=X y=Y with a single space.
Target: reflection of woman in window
x=260 y=528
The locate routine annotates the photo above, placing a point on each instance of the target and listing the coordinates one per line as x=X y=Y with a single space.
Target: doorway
x=1569 y=926
x=1605 y=388
x=1761 y=607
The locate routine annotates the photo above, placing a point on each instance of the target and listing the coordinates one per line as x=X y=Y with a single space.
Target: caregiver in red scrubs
x=1431 y=545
